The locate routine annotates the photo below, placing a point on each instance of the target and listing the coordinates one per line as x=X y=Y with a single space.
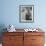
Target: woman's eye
x=23 y=10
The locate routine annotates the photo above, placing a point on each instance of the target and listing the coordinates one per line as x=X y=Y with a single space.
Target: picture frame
x=26 y=13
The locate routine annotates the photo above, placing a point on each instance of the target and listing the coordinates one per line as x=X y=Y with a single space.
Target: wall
x=10 y=13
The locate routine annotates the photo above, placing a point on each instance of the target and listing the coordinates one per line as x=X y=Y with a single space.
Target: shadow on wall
x=2 y=26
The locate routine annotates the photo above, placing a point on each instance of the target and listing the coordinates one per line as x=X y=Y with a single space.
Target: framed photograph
x=26 y=13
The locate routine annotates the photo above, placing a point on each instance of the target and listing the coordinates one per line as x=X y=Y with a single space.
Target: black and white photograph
x=26 y=13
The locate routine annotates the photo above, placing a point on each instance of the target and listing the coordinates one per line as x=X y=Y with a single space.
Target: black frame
x=21 y=11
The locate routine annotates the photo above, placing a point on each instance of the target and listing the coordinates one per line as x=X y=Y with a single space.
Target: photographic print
x=26 y=13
